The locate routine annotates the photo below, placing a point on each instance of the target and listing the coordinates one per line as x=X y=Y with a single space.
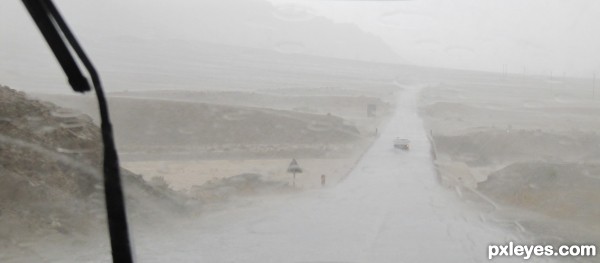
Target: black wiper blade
x=40 y=12
x=55 y=31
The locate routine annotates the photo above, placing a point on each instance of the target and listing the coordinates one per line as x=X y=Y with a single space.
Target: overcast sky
x=536 y=36
x=539 y=36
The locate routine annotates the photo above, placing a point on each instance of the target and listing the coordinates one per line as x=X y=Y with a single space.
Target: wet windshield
x=308 y=131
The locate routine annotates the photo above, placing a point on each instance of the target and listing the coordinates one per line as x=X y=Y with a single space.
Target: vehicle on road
x=402 y=144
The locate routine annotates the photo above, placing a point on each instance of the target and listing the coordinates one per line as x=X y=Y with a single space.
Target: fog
x=538 y=37
x=306 y=131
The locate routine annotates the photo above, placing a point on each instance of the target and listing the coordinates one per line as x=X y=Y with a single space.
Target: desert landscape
x=191 y=153
x=299 y=131
x=506 y=155
x=195 y=137
x=526 y=146
x=195 y=133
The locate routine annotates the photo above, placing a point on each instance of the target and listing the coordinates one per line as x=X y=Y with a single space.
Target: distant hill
x=285 y=28
x=199 y=45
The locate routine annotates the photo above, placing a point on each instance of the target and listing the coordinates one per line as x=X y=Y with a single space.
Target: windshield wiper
x=55 y=31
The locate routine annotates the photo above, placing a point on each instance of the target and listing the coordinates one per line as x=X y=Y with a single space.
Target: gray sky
x=536 y=35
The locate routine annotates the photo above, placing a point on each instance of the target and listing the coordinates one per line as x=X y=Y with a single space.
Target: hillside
x=285 y=28
x=190 y=44
x=50 y=183
x=190 y=125
x=527 y=145
x=555 y=189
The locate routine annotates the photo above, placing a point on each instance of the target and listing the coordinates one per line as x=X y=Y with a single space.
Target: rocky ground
x=50 y=180
x=528 y=145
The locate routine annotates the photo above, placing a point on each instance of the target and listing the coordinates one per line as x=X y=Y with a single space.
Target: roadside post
x=294 y=168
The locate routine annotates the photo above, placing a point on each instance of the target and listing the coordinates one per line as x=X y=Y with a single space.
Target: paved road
x=389 y=209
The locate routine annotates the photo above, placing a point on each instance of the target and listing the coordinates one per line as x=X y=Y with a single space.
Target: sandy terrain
x=182 y=175
x=196 y=137
x=525 y=143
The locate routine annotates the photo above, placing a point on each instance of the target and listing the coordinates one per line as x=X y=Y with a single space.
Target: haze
x=538 y=36
x=545 y=37
x=306 y=131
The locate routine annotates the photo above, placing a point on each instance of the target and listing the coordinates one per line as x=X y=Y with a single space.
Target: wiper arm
x=40 y=12
x=51 y=24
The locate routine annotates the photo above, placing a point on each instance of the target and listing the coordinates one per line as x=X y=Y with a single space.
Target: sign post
x=294 y=168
